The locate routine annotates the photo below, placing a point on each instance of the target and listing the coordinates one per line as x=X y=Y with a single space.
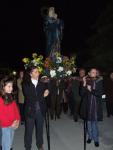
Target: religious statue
x=53 y=28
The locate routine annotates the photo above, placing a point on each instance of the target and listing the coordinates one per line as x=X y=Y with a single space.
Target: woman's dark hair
x=31 y=68
x=8 y=98
x=27 y=77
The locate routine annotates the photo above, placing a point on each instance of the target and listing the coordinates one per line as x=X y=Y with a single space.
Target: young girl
x=9 y=114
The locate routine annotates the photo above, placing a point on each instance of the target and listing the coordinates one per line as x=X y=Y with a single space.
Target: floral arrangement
x=56 y=66
x=36 y=60
x=60 y=66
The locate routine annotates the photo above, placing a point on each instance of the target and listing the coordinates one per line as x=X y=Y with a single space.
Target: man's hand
x=46 y=93
x=89 y=87
x=84 y=81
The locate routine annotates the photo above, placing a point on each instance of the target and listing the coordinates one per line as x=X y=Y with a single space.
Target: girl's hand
x=15 y=124
x=46 y=93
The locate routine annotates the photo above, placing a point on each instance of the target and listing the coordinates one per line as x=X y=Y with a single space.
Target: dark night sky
x=21 y=31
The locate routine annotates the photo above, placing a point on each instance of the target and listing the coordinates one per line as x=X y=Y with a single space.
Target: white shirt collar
x=34 y=81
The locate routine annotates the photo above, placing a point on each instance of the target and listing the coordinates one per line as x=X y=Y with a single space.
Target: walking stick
x=46 y=81
x=47 y=128
x=84 y=134
x=56 y=108
x=56 y=100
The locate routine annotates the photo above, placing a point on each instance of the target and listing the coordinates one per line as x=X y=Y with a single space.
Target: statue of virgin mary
x=53 y=28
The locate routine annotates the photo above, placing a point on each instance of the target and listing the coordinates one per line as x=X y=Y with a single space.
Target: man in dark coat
x=91 y=108
x=35 y=107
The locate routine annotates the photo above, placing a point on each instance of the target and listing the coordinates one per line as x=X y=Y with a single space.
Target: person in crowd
x=99 y=75
x=91 y=109
x=76 y=93
x=15 y=90
x=76 y=98
x=35 y=92
x=69 y=95
x=109 y=94
x=53 y=97
x=56 y=92
x=59 y=101
x=82 y=73
x=9 y=113
x=64 y=105
x=20 y=95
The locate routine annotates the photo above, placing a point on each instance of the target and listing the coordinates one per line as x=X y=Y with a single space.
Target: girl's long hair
x=7 y=97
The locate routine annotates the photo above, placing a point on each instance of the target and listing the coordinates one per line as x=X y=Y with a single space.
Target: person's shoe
x=96 y=144
x=89 y=141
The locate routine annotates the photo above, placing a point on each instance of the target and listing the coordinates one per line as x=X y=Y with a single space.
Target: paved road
x=68 y=135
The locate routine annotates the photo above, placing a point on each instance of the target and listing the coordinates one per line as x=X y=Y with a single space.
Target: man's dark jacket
x=32 y=97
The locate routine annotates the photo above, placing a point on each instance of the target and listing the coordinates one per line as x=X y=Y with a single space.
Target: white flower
x=59 y=60
x=69 y=72
x=65 y=75
x=34 y=62
x=61 y=75
x=60 y=69
x=53 y=73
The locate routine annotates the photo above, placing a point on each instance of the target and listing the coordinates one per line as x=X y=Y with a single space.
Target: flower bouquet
x=36 y=60
x=57 y=66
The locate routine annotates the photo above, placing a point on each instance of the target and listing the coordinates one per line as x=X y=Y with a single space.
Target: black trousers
x=109 y=106
x=38 y=122
x=21 y=106
x=71 y=104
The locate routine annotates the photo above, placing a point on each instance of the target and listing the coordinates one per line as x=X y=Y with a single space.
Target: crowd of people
x=25 y=99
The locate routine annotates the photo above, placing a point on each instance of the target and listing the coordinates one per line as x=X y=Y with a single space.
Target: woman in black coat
x=35 y=92
x=91 y=107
